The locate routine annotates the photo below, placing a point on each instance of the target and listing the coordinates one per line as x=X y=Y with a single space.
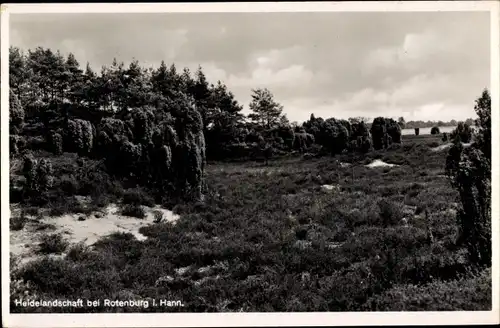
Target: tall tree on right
x=402 y=122
x=469 y=170
x=483 y=123
x=266 y=111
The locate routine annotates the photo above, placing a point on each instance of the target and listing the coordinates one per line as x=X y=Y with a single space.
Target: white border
x=368 y=6
x=251 y=319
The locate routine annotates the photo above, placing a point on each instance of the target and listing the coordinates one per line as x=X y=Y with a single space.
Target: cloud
x=333 y=64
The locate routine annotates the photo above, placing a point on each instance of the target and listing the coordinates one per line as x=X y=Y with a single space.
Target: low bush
x=137 y=197
x=133 y=210
x=52 y=244
x=390 y=213
x=464 y=294
x=17 y=223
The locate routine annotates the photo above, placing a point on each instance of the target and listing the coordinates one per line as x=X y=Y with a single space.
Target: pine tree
x=266 y=111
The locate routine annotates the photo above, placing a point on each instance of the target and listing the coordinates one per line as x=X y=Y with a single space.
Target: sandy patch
x=24 y=242
x=447 y=146
x=330 y=188
x=442 y=147
x=379 y=163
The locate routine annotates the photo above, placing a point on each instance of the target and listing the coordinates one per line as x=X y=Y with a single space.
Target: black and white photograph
x=247 y=160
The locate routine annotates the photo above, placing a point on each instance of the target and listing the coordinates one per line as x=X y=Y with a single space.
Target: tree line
x=431 y=124
x=51 y=89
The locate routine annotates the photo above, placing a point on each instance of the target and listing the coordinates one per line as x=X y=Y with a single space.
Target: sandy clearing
x=442 y=147
x=379 y=163
x=24 y=243
x=447 y=146
x=327 y=187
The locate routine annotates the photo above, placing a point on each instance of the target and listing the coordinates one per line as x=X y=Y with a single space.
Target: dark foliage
x=469 y=170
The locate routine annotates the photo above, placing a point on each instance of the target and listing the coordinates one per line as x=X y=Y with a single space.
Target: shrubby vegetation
x=435 y=130
x=93 y=113
x=251 y=237
x=470 y=172
x=463 y=133
x=384 y=132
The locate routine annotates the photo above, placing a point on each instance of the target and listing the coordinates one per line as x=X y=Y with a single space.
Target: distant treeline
x=431 y=124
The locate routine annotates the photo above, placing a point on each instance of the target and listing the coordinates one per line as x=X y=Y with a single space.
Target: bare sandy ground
x=379 y=163
x=24 y=242
x=447 y=146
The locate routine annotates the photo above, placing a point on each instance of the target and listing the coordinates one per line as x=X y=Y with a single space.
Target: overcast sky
x=423 y=66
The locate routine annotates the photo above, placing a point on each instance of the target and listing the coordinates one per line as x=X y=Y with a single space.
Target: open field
x=325 y=234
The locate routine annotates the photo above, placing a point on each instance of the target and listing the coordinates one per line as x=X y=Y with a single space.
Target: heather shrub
x=52 y=244
x=69 y=185
x=17 y=222
x=465 y=294
x=134 y=210
x=78 y=252
x=158 y=216
x=137 y=197
x=390 y=214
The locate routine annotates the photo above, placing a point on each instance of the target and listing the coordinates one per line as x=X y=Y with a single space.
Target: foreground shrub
x=390 y=214
x=137 y=197
x=52 y=244
x=133 y=210
x=465 y=294
x=17 y=223
x=158 y=216
x=78 y=252
x=469 y=170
